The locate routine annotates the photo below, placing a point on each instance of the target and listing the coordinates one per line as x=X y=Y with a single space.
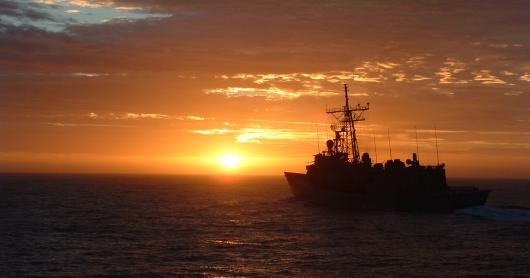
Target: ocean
x=205 y=226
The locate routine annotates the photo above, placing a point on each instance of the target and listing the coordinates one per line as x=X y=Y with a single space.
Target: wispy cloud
x=525 y=77
x=60 y=124
x=195 y=118
x=64 y=14
x=497 y=145
x=260 y=135
x=78 y=3
x=128 y=8
x=61 y=74
x=363 y=73
x=88 y=74
x=399 y=76
x=213 y=131
x=441 y=131
x=448 y=72
x=486 y=77
x=144 y=116
x=415 y=61
x=289 y=122
x=504 y=45
x=271 y=93
x=136 y=116
x=452 y=74
x=418 y=77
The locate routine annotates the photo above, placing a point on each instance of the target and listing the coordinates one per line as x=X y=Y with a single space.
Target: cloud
x=289 y=42
x=504 y=45
x=448 y=73
x=213 y=131
x=499 y=45
x=60 y=15
x=128 y=8
x=290 y=122
x=60 y=74
x=415 y=61
x=260 y=135
x=144 y=116
x=22 y=11
x=60 y=124
x=399 y=76
x=78 y=3
x=486 y=77
x=418 y=77
x=127 y=116
x=271 y=93
x=453 y=75
x=439 y=131
x=136 y=116
x=515 y=93
x=195 y=118
x=88 y=74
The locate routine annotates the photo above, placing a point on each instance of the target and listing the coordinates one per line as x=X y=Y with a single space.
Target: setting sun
x=230 y=161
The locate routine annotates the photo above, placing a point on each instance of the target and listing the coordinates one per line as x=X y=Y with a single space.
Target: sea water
x=165 y=226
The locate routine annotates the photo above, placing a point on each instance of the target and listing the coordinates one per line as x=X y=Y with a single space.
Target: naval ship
x=341 y=177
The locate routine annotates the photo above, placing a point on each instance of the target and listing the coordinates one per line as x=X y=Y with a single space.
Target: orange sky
x=169 y=86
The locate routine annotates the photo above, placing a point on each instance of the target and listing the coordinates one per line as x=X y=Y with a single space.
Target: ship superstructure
x=345 y=141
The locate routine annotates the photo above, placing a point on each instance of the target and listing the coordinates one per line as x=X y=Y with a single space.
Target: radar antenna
x=345 y=136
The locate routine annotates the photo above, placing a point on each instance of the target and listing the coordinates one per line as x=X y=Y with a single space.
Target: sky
x=176 y=87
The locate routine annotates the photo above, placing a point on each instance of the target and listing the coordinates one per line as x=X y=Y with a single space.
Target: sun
x=230 y=161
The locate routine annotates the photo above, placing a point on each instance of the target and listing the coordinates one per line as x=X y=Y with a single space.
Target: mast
x=345 y=134
x=436 y=141
x=389 y=146
x=417 y=147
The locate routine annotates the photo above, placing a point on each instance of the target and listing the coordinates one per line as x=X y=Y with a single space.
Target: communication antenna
x=417 y=148
x=436 y=141
x=389 y=146
x=375 y=146
x=318 y=141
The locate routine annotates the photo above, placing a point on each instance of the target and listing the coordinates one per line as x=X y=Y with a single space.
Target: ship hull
x=450 y=200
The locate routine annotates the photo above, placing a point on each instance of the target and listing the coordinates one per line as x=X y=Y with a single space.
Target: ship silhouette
x=341 y=177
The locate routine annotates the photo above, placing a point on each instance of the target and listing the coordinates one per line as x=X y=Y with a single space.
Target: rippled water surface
x=160 y=226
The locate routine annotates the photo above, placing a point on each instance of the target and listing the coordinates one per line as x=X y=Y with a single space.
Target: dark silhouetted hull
x=446 y=201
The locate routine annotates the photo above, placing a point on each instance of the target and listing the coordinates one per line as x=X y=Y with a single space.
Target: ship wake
x=498 y=213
